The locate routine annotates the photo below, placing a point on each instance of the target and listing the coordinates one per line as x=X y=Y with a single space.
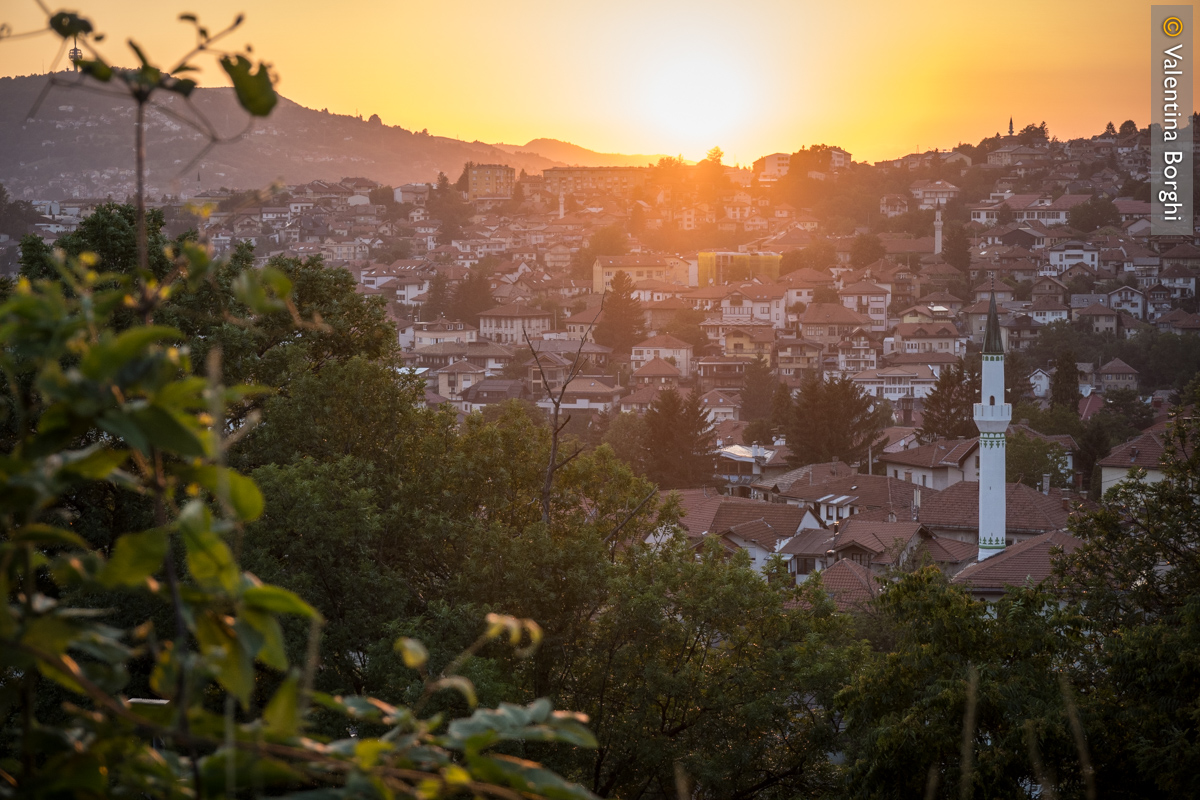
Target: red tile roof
x=1146 y=451
x=1027 y=510
x=850 y=585
x=1029 y=561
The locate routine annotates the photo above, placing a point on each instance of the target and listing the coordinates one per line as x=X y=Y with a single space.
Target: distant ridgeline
x=78 y=146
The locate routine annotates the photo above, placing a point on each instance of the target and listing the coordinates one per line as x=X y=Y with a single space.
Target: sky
x=877 y=78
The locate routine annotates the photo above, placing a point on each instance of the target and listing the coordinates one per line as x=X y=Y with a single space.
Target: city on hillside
x=594 y=291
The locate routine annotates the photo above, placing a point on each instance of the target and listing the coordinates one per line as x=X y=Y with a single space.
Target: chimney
x=916 y=505
x=1046 y=483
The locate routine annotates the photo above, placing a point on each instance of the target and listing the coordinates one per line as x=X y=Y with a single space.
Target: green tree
x=1136 y=579
x=956 y=249
x=961 y=676
x=1064 y=383
x=680 y=441
x=692 y=672
x=440 y=297
x=866 y=249
x=622 y=324
x=627 y=435
x=1094 y=213
x=685 y=326
x=758 y=390
x=1028 y=458
x=835 y=419
x=471 y=297
x=949 y=411
x=819 y=256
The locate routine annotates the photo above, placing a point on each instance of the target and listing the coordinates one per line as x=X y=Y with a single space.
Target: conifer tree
x=622 y=324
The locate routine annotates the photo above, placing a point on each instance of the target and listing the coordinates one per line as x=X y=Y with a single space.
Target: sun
x=692 y=102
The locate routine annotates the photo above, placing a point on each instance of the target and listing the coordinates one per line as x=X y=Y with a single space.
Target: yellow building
x=655 y=267
x=719 y=268
x=490 y=182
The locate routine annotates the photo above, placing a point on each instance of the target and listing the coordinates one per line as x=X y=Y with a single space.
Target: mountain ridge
x=80 y=144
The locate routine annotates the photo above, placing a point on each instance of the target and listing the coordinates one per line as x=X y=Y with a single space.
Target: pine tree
x=1064 y=383
x=623 y=323
x=957 y=248
x=835 y=419
x=680 y=441
x=758 y=390
x=949 y=410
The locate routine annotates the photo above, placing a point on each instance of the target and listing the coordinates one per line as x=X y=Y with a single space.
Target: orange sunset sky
x=879 y=78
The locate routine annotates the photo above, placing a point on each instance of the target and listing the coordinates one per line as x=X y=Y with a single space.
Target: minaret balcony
x=993 y=418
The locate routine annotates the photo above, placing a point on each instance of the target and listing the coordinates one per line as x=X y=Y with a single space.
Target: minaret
x=937 y=232
x=1010 y=126
x=992 y=416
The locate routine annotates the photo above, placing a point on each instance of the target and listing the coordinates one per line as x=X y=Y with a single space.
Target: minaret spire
x=992 y=416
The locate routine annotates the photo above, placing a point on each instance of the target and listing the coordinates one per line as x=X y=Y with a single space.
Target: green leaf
x=208 y=557
x=254 y=90
x=50 y=634
x=271 y=652
x=277 y=600
x=68 y=24
x=282 y=714
x=526 y=776
x=241 y=492
x=135 y=557
x=166 y=431
x=413 y=652
x=106 y=358
x=96 y=463
x=47 y=535
x=460 y=685
x=232 y=663
x=368 y=751
x=96 y=69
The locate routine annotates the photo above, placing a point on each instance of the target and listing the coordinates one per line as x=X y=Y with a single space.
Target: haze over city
x=879 y=79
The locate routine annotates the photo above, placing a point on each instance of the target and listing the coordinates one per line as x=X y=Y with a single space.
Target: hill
x=577 y=156
x=80 y=144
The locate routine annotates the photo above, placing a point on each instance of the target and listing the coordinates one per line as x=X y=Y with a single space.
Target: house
x=1064 y=254
x=442 y=330
x=1049 y=309
x=721 y=407
x=668 y=348
x=893 y=205
x=1142 y=453
x=828 y=323
x=892 y=383
x=880 y=546
x=868 y=299
x=954 y=512
x=1128 y=299
x=1023 y=564
x=512 y=324
x=1116 y=374
x=657 y=373
x=456 y=377
x=493 y=391
x=840 y=498
x=1019 y=331
x=928 y=337
x=742 y=465
x=1101 y=318
x=796 y=359
x=639 y=267
x=585 y=394
x=938 y=465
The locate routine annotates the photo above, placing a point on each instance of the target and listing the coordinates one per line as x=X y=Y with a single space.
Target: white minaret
x=937 y=232
x=992 y=416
